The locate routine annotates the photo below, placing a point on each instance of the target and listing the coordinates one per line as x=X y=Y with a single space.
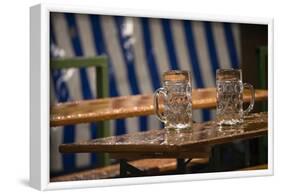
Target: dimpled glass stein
x=230 y=97
x=176 y=92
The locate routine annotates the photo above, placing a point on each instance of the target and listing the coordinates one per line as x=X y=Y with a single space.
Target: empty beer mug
x=176 y=92
x=230 y=97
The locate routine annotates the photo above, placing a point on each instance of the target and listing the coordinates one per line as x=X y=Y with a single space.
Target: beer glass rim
x=225 y=74
x=228 y=70
x=176 y=75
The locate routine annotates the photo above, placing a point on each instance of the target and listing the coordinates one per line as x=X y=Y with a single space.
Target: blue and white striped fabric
x=140 y=50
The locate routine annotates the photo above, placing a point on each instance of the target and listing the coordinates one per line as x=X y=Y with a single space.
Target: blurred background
x=139 y=51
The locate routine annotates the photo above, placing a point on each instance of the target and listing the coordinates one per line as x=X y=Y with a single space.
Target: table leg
x=128 y=169
x=181 y=165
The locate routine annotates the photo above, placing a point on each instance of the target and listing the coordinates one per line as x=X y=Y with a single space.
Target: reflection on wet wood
x=127 y=106
x=164 y=143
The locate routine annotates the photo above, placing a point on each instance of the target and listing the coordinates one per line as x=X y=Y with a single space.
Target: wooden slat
x=127 y=106
x=150 y=166
x=163 y=143
x=257 y=167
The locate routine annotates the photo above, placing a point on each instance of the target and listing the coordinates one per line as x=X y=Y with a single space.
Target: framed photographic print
x=128 y=97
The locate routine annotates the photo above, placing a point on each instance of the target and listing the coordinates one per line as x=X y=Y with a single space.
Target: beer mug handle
x=160 y=116
x=252 y=102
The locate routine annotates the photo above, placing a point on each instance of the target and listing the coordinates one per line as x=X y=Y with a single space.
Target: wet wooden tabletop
x=128 y=106
x=162 y=143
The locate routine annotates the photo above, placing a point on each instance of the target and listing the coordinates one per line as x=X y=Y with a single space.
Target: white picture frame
x=39 y=103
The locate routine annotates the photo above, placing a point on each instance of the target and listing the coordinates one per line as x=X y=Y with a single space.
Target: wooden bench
x=149 y=166
x=128 y=106
x=257 y=167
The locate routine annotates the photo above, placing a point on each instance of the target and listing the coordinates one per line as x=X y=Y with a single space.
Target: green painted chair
x=262 y=63
x=102 y=81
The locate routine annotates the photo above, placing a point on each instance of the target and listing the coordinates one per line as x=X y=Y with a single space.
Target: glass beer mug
x=177 y=100
x=230 y=97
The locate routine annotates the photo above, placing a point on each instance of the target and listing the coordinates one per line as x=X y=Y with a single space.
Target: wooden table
x=162 y=143
x=128 y=106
